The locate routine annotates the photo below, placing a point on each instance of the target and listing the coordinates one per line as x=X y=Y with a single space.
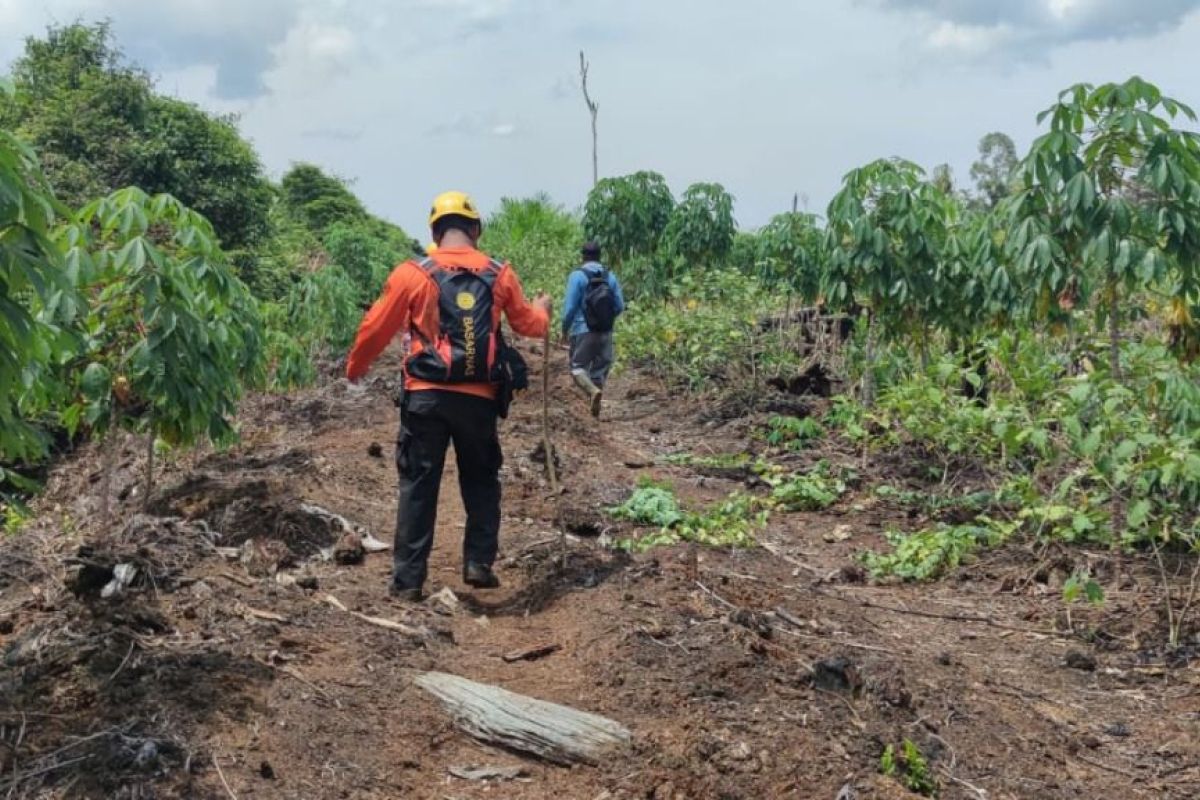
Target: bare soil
x=224 y=670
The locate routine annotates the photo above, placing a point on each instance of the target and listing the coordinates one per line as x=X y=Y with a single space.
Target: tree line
x=150 y=269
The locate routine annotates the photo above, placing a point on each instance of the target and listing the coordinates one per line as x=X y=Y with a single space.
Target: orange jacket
x=410 y=300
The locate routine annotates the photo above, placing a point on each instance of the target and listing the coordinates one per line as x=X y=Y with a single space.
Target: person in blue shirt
x=593 y=303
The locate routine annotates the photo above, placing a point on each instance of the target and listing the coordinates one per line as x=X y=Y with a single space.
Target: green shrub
x=928 y=553
x=811 y=491
x=729 y=523
x=792 y=433
x=909 y=767
x=650 y=504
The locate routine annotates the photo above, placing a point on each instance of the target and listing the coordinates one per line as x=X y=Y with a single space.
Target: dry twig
x=793 y=620
x=120 y=666
x=715 y=596
x=380 y=622
x=221 y=775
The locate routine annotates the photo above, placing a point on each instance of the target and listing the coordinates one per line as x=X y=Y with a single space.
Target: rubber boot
x=590 y=389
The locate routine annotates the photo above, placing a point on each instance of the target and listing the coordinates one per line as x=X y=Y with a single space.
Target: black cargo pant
x=429 y=422
x=592 y=352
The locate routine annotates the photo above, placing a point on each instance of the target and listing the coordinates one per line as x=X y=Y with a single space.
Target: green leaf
x=1139 y=512
x=1125 y=450
x=96 y=381
x=1080 y=392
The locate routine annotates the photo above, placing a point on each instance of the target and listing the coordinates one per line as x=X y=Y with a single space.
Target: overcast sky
x=768 y=97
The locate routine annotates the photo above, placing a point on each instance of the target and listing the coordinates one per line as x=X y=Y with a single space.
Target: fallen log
x=559 y=734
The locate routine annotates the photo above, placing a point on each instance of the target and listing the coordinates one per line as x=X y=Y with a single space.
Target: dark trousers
x=429 y=422
x=592 y=353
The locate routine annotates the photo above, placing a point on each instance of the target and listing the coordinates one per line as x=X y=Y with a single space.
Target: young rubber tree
x=790 y=254
x=886 y=229
x=628 y=214
x=35 y=296
x=980 y=296
x=701 y=227
x=170 y=333
x=979 y=289
x=289 y=365
x=1109 y=204
x=324 y=311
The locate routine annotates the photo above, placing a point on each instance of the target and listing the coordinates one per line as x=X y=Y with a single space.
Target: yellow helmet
x=431 y=248
x=448 y=203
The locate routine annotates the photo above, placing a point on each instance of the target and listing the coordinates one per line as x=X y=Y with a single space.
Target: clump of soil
x=241 y=508
x=157 y=551
x=816 y=380
x=582 y=521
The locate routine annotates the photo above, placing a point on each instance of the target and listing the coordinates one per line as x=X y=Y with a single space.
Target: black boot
x=480 y=576
x=408 y=595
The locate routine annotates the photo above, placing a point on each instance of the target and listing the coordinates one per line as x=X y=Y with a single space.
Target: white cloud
x=1060 y=9
x=315 y=51
x=479 y=11
x=504 y=129
x=1031 y=29
x=968 y=39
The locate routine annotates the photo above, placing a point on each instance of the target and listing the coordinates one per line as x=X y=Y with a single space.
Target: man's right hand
x=542 y=301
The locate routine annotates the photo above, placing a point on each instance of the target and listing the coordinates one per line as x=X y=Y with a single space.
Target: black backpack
x=466 y=348
x=599 y=302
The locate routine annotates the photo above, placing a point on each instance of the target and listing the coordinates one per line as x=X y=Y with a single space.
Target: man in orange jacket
x=451 y=302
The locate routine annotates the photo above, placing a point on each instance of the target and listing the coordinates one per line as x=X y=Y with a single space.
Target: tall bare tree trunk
x=593 y=109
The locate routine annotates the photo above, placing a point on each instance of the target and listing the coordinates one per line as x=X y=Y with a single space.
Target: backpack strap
x=488 y=274
x=491 y=272
x=428 y=266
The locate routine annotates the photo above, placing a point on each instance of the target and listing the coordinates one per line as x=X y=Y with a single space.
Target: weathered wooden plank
x=554 y=732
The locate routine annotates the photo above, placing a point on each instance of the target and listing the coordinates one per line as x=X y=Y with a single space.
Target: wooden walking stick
x=547 y=447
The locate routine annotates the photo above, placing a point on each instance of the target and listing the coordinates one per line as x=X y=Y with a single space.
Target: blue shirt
x=573 y=320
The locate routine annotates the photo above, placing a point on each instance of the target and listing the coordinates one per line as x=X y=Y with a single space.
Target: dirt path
x=754 y=674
